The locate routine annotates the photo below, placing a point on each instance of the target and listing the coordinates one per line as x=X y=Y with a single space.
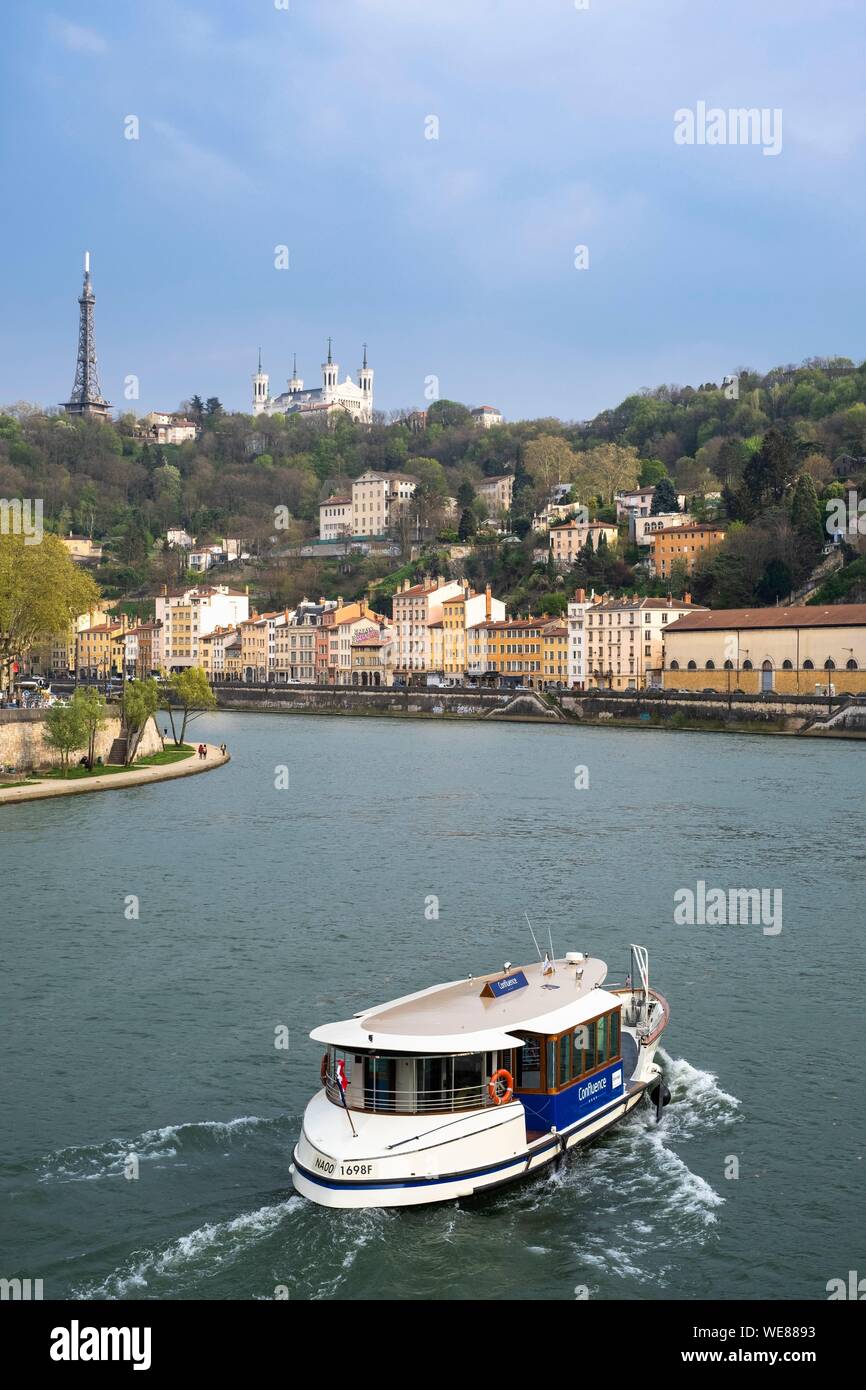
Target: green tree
x=468 y=525
x=664 y=498
x=651 y=472
x=807 y=520
x=188 y=692
x=770 y=471
x=41 y=591
x=91 y=707
x=65 y=731
x=140 y=703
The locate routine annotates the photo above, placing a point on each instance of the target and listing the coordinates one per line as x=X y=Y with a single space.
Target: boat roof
x=478 y=1014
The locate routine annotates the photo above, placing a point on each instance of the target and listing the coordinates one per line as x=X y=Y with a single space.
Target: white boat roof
x=463 y=1017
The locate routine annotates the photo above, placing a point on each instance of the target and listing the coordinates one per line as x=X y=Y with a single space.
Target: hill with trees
x=776 y=447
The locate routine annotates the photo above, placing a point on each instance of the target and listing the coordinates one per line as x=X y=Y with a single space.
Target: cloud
x=203 y=170
x=77 y=38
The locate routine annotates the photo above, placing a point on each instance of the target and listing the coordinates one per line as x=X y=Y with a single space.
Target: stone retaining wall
x=22 y=739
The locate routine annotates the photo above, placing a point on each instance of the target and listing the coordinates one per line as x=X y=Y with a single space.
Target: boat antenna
x=532 y=934
x=552 y=956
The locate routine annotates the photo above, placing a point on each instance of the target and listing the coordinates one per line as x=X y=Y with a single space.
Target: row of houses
x=443 y=628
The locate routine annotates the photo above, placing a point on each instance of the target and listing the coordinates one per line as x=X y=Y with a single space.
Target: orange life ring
x=494 y=1095
x=323 y=1069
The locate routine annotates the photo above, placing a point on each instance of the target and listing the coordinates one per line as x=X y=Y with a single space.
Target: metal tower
x=86 y=396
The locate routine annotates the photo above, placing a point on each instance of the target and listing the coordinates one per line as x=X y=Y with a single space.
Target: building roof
x=331 y=501
x=689 y=526
x=653 y=605
x=573 y=525
x=840 y=615
x=486 y=410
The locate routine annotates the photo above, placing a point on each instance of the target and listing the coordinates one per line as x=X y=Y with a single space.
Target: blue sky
x=453 y=257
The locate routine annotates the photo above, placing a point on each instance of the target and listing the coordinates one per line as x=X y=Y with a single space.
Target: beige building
x=83 y=550
x=625 y=640
x=567 y=540
x=189 y=614
x=795 y=651
x=377 y=499
x=497 y=493
x=97 y=655
x=335 y=518
x=415 y=607
x=372 y=656
x=486 y=416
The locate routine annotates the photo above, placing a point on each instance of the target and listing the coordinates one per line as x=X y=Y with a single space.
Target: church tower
x=295 y=382
x=260 y=389
x=365 y=381
x=330 y=376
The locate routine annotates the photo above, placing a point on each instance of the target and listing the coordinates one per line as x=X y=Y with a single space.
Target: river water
x=158 y=942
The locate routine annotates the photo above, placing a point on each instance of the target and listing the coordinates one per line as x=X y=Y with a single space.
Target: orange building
x=685 y=543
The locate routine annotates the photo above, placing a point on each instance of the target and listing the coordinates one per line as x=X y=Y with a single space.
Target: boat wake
x=181 y=1265
x=86 y=1162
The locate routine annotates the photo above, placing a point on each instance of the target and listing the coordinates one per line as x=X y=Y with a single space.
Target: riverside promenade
x=114 y=781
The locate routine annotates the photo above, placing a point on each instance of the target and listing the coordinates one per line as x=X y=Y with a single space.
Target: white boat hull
x=475 y=1160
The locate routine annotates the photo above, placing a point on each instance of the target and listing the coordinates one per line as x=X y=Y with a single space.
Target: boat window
x=589 y=1048
x=613 y=1037
x=564 y=1072
x=550 y=1049
x=467 y=1077
x=577 y=1052
x=600 y=1042
x=529 y=1065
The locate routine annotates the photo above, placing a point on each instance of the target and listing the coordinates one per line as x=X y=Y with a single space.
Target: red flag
x=342 y=1078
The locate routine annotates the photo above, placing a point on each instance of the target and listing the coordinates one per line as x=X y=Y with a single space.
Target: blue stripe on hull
x=468 y=1173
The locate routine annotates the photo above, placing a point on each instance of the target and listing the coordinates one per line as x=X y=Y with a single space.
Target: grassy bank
x=167 y=755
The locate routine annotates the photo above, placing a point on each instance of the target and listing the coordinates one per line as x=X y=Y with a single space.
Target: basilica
x=328 y=399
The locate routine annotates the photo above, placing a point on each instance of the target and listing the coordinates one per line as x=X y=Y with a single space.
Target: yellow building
x=453 y=636
x=254 y=647
x=554 y=653
x=515 y=649
x=97 y=654
x=795 y=651
x=684 y=543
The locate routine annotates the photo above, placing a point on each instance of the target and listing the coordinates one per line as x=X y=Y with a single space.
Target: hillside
x=777 y=447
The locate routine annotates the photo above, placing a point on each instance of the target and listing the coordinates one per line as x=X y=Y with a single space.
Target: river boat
x=464 y=1087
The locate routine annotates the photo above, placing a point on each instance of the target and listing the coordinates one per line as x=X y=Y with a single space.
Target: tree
x=65 y=731
x=190 y=691
x=468 y=525
x=608 y=469
x=140 y=703
x=807 y=521
x=91 y=708
x=770 y=471
x=664 y=498
x=465 y=494
x=196 y=409
x=651 y=472
x=213 y=407
x=41 y=591
x=550 y=459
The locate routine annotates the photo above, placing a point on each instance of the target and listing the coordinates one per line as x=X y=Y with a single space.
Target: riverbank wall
x=23 y=746
x=646 y=709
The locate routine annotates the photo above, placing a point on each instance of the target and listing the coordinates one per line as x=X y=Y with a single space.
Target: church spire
x=329 y=350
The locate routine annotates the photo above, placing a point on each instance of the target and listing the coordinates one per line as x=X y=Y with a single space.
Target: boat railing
x=409 y=1101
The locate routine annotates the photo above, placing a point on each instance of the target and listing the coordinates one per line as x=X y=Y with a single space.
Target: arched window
x=675 y=666
x=729 y=665
x=693 y=666
x=829 y=664
x=711 y=666
x=747 y=665
x=851 y=664
x=787 y=666
x=808 y=665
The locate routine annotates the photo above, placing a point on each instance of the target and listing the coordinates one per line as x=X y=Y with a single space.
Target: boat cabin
x=560 y=1064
